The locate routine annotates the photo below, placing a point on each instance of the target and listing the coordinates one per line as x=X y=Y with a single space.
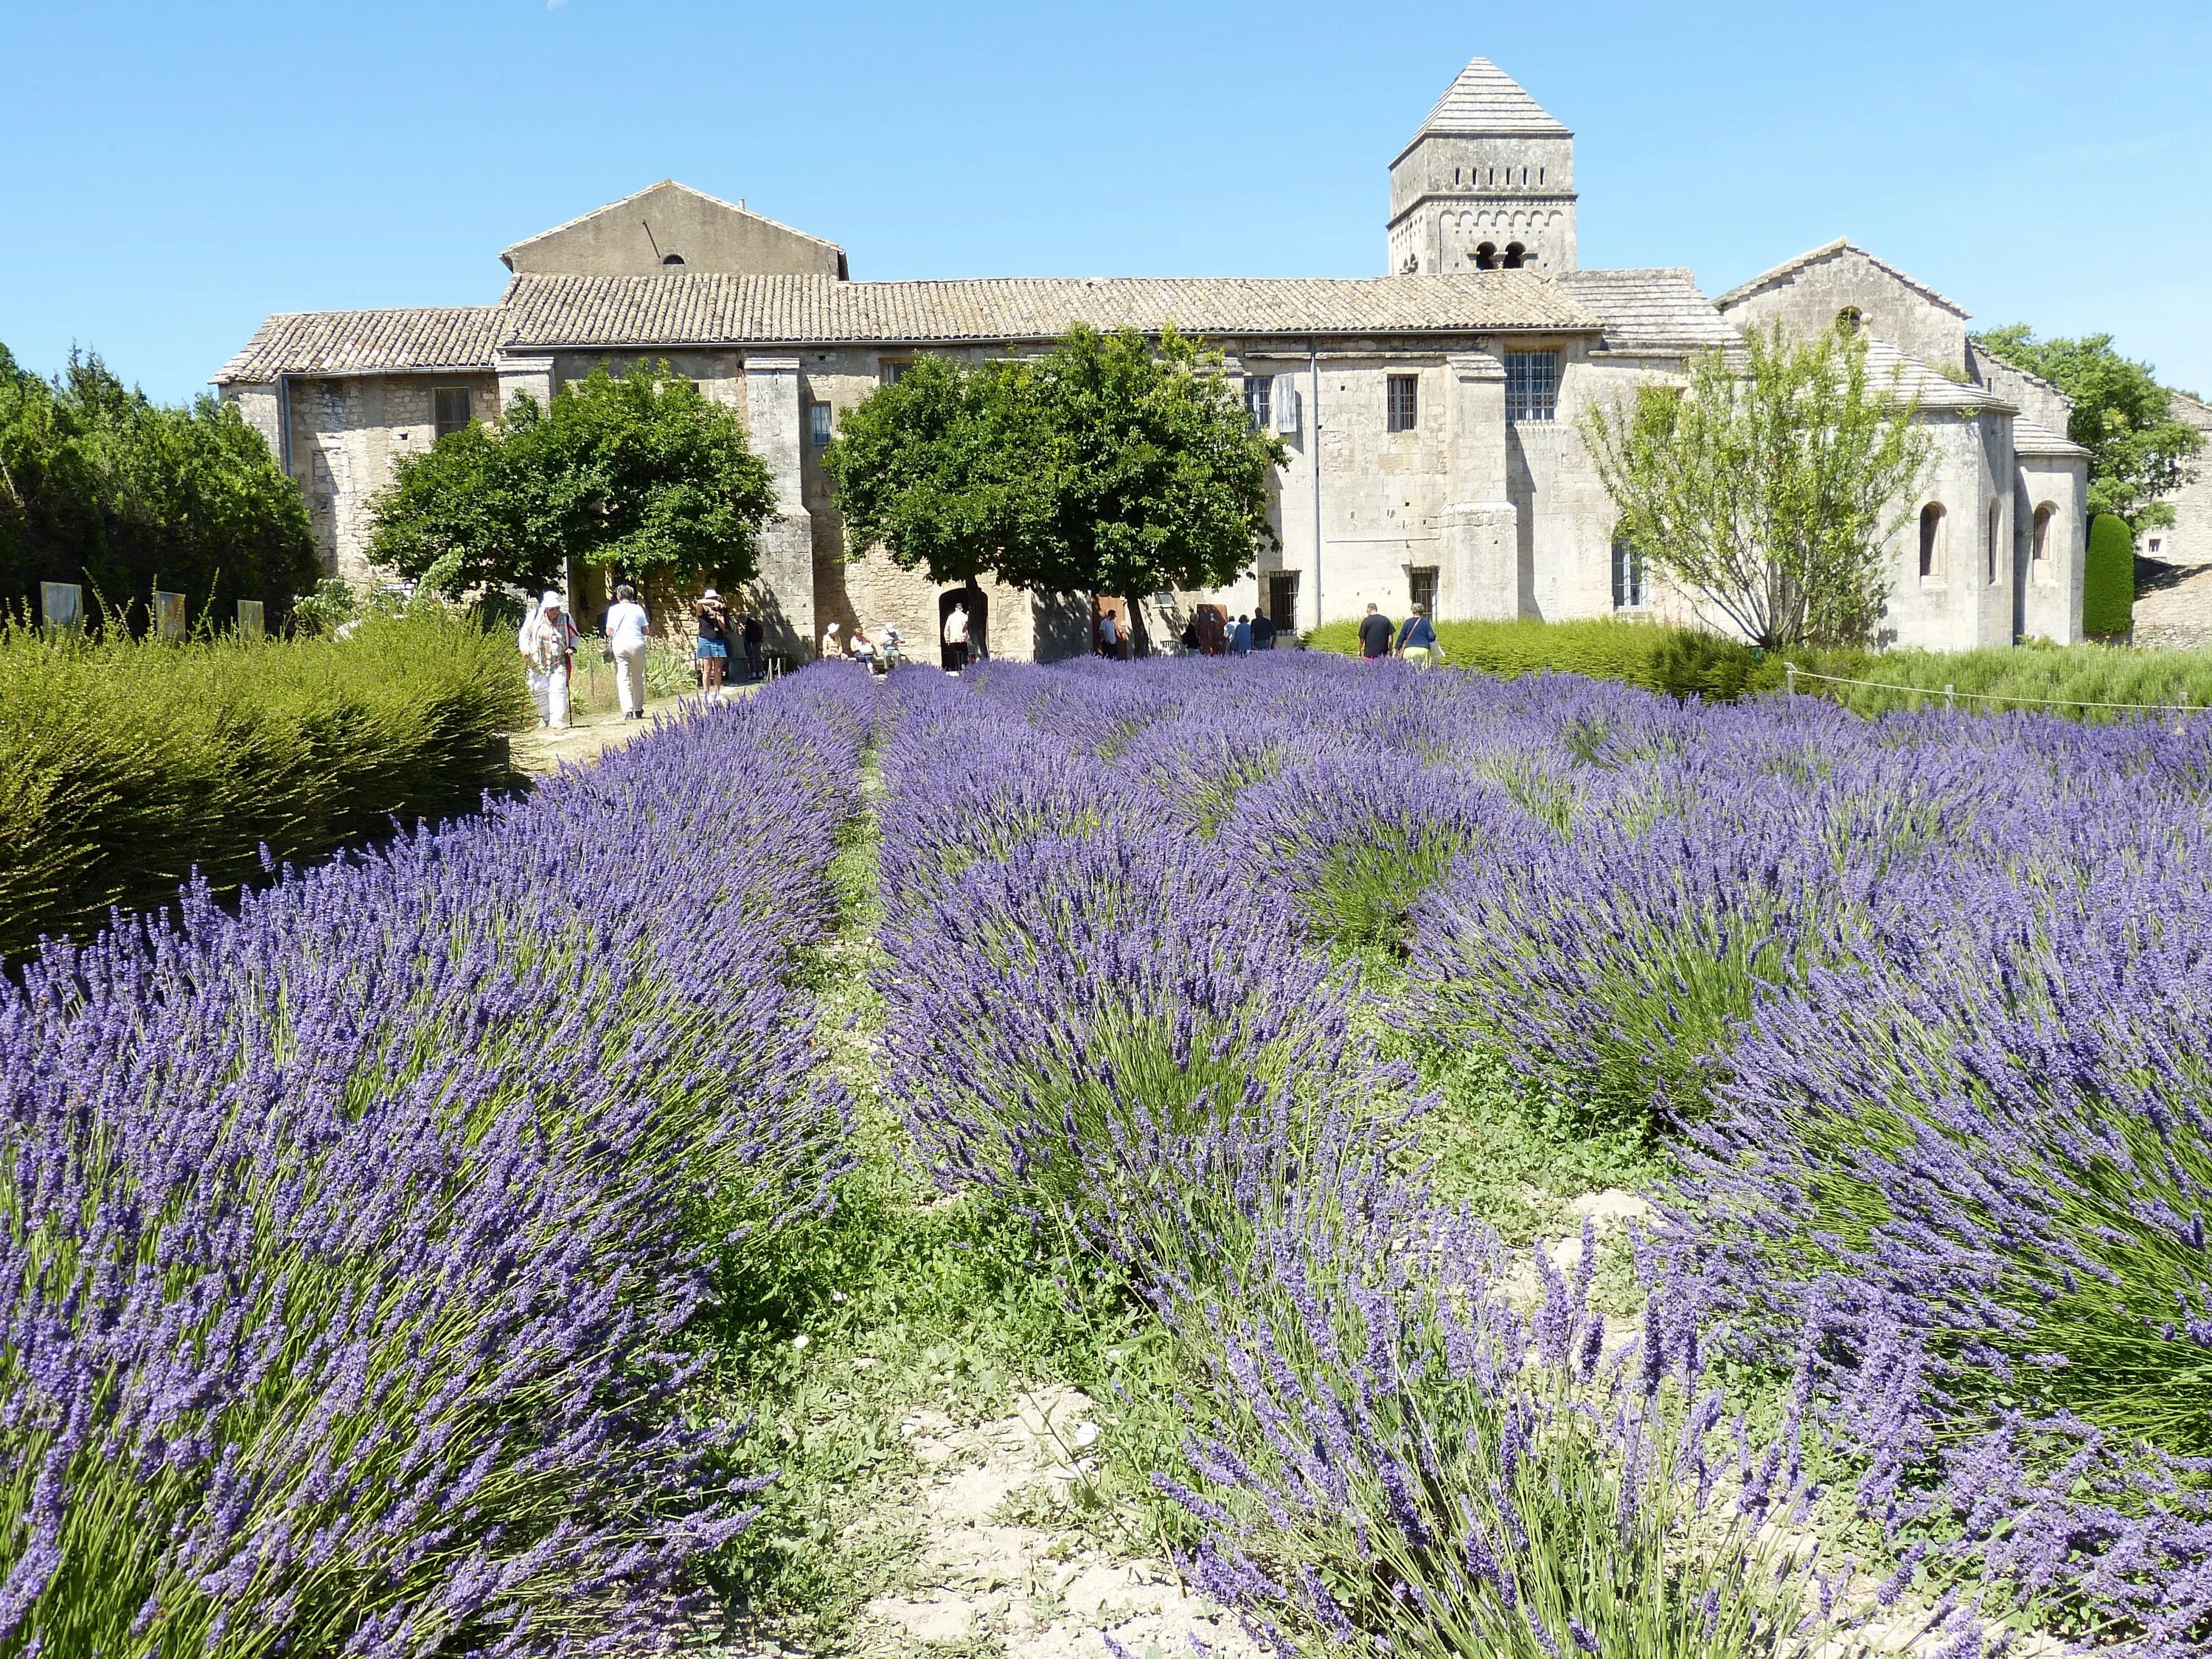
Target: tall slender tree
x=1767 y=490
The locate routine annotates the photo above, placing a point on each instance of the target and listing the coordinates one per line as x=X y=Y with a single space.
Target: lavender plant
x=349 y=1241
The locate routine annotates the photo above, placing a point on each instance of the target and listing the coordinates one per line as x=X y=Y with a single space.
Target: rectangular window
x=893 y=370
x=449 y=409
x=1402 y=403
x=1421 y=585
x=1258 y=401
x=1531 y=386
x=1627 y=575
x=1283 y=600
x=818 y=423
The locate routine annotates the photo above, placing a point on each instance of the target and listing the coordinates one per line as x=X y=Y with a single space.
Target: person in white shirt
x=956 y=640
x=832 y=646
x=626 y=626
x=547 y=641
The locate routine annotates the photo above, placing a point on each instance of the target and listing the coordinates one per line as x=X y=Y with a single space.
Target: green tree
x=2108 y=578
x=1767 y=490
x=640 y=473
x=100 y=486
x=2122 y=415
x=1105 y=465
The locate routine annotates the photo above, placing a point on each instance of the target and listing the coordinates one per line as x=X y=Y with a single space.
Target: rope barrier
x=1795 y=673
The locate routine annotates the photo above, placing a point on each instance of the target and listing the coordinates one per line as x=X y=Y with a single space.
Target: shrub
x=2108 y=578
x=126 y=765
x=1680 y=661
x=349 y=1243
x=105 y=489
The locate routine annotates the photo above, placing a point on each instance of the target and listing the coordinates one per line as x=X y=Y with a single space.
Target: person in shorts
x=713 y=642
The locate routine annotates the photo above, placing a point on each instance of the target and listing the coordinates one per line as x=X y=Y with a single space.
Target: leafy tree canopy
x=101 y=487
x=1107 y=465
x=1768 y=494
x=640 y=473
x=2122 y=415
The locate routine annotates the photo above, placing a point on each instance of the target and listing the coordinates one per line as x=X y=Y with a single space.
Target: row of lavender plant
x=350 y=1241
x=1105 y=1007
x=1925 y=998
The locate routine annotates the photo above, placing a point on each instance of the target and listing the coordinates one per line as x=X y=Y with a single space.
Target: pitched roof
x=1887 y=366
x=507 y=253
x=1485 y=100
x=1827 y=250
x=1656 y=311
x=2193 y=410
x=703 y=308
x=2033 y=438
x=366 y=342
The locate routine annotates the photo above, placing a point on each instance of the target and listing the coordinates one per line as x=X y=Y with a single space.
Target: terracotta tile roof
x=1829 y=250
x=1485 y=99
x=702 y=309
x=366 y=342
x=1654 y=311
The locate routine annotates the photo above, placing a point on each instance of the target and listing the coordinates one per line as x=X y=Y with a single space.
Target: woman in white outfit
x=626 y=626
x=547 y=641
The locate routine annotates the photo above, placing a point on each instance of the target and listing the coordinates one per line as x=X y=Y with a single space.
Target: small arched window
x=1996 y=524
x=2039 y=546
x=1931 y=543
x=1516 y=256
x=1850 y=319
x=671 y=261
x=1485 y=257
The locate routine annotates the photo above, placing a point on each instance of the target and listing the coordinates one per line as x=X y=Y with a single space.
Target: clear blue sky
x=172 y=173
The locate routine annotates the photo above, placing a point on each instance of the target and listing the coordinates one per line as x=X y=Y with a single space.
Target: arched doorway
x=979 y=625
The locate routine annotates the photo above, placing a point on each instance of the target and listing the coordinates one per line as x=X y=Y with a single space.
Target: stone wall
x=637 y=236
x=1451 y=193
x=2188 y=540
x=348 y=435
x=1807 y=302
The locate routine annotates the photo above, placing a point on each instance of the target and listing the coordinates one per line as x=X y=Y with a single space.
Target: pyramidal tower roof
x=1485 y=100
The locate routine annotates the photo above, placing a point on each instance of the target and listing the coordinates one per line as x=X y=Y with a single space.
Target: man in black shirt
x=1374 y=636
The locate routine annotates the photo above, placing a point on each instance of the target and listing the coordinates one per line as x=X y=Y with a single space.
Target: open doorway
x=957 y=657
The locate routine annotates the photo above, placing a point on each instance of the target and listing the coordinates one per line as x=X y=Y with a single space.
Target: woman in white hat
x=713 y=642
x=832 y=646
x=548 y=642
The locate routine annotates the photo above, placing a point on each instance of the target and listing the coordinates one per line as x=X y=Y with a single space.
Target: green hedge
x=2108 y=578
x=1679 y=660
x=125 y=764
x=1684 y=662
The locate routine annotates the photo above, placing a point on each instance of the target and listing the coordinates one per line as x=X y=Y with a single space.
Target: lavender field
x=1512 y=1168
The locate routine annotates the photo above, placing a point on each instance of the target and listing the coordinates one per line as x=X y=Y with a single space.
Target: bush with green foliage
x=101 y=486
x=2084 y=682
x=1111 y=465
x=127 y=765
x=1682 y=661
x=2108 y=578
x=640 y=474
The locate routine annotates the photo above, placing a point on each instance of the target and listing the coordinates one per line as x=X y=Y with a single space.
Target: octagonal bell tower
x=1488 y=183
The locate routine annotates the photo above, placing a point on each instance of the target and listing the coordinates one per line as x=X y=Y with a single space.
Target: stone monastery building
x=1429 y=413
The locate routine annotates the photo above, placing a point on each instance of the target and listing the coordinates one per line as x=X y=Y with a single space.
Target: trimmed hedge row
x=126 y=765
x=1684 y=662
x=2108 y=578
x=1680 y=661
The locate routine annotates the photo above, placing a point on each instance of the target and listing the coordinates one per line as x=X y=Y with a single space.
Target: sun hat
x=551 y=602
x=710 y=594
